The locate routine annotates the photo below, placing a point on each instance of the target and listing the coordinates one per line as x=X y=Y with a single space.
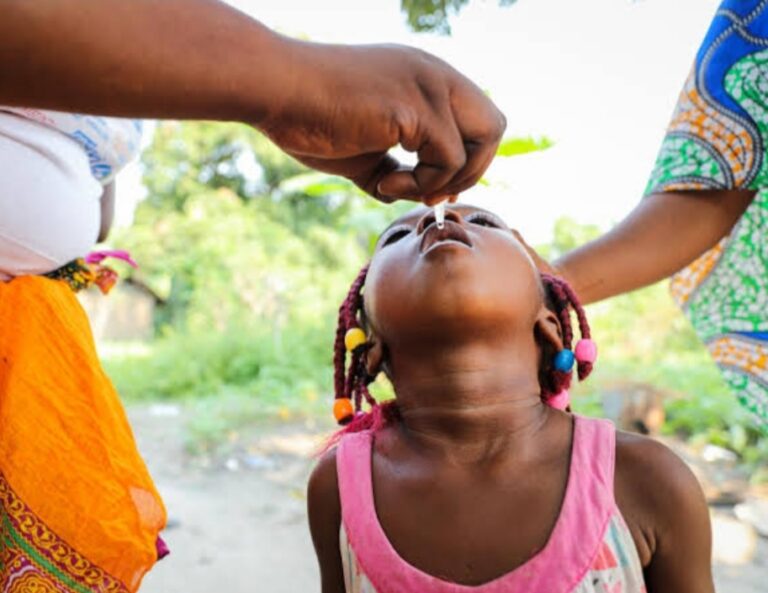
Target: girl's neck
x=472 y=399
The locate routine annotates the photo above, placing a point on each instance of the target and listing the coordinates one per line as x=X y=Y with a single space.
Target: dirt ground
x=238 y=519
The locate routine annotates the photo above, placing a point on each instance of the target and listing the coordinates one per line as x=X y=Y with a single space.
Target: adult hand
x=351 y=104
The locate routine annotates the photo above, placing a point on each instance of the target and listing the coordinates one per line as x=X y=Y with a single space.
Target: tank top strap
x=353 y=468
x=593 y=459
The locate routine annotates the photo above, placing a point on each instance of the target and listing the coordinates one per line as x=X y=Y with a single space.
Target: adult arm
x=663 y=234
x=337 y=108
x=324 y=508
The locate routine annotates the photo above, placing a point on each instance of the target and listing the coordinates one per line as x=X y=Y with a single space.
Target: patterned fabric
x=590 y=548
x=109 y=142
x=615 y=569
x=82 y=273
x=36 y=560
x=717 y=141
x=78 y=510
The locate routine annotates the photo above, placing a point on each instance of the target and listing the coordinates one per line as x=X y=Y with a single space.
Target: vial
x=440 y=215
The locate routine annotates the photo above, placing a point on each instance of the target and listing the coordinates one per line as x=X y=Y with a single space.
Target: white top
x=52 y=170
x=109 y=142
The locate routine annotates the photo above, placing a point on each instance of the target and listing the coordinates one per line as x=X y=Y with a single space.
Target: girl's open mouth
x=451 y=232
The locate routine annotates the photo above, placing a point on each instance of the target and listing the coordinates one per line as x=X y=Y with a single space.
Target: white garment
x=109 y=142
x=49 y=200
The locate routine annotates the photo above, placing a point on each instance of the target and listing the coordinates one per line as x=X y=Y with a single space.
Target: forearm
x=196 y=59
x=662 y=235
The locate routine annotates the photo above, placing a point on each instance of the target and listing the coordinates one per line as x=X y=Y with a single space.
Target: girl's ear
x=374 y=356
x=549 y=337
x=548 y=331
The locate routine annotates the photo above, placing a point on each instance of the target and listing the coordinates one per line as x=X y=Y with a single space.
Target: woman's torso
x=52 y=176
x=586 y=547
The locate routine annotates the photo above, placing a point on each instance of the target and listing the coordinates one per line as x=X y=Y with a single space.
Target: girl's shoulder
x=324 y=510
x=645 y=463
x=323 y=484
x=351 y=450
x=656 y=492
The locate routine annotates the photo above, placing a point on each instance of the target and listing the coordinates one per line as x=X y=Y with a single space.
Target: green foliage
x=514 y=146
x=244 y=358
x=250 y=254
x=567 y=235
x=433 y=15
x=233 y=229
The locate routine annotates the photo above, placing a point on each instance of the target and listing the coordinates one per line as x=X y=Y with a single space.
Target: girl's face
x=469 y=278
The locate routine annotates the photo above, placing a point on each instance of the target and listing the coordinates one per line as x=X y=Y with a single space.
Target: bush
x=274 y=369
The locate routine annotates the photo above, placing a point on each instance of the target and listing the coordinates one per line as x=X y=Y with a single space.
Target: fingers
x=441 y=154
x=455 y=146
x=481 y=126
x=437 y=113
x=366 y=170
x=433 y=201
x=479 y=158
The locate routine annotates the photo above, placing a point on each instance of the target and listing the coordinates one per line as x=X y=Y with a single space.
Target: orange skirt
x=78 y=509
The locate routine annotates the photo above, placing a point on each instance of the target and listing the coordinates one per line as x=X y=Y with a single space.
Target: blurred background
x=220 y=344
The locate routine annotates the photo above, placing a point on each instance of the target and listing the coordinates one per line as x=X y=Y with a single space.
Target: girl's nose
x=429 y=218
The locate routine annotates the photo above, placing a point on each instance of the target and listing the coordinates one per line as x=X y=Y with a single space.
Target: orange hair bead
x=343 y=409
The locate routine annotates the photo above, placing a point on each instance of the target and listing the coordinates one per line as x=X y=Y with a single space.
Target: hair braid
x=351 y=381
x=584 y=367
x=561 y=298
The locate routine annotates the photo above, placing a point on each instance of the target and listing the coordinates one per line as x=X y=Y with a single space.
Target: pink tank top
x=590 y=549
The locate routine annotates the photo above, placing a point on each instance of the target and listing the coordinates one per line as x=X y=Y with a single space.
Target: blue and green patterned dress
x=717 y=140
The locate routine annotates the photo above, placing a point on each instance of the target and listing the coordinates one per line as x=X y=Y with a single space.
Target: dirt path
x=238 y=520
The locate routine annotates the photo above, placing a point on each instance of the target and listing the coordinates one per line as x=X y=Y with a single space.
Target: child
x=469 y=482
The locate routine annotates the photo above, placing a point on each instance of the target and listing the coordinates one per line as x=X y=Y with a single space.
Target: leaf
x=516 y=146
x=432 y=16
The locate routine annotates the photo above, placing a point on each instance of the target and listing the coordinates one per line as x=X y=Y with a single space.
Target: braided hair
x=560 y=299
x=351 y=378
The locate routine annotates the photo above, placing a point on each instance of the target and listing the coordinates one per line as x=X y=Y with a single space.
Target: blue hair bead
x=564 y=360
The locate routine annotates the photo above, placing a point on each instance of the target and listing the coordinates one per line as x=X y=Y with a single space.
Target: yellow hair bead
x=354 y=338
x=343 y=410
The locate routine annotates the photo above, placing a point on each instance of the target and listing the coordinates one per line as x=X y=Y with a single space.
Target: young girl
x=475 y=479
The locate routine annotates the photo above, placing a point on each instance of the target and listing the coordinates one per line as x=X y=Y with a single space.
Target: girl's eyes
x=482 y=219
x=476 y=218
x=395 y=236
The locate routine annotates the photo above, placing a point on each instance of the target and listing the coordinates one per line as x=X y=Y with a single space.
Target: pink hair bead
x=560 y=401
x=586 y=351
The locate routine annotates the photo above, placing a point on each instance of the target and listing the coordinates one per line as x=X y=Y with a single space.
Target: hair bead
x=560 y=401
x=354 y=338
x=343 y=410
x=586 y=351
x=564 y=361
